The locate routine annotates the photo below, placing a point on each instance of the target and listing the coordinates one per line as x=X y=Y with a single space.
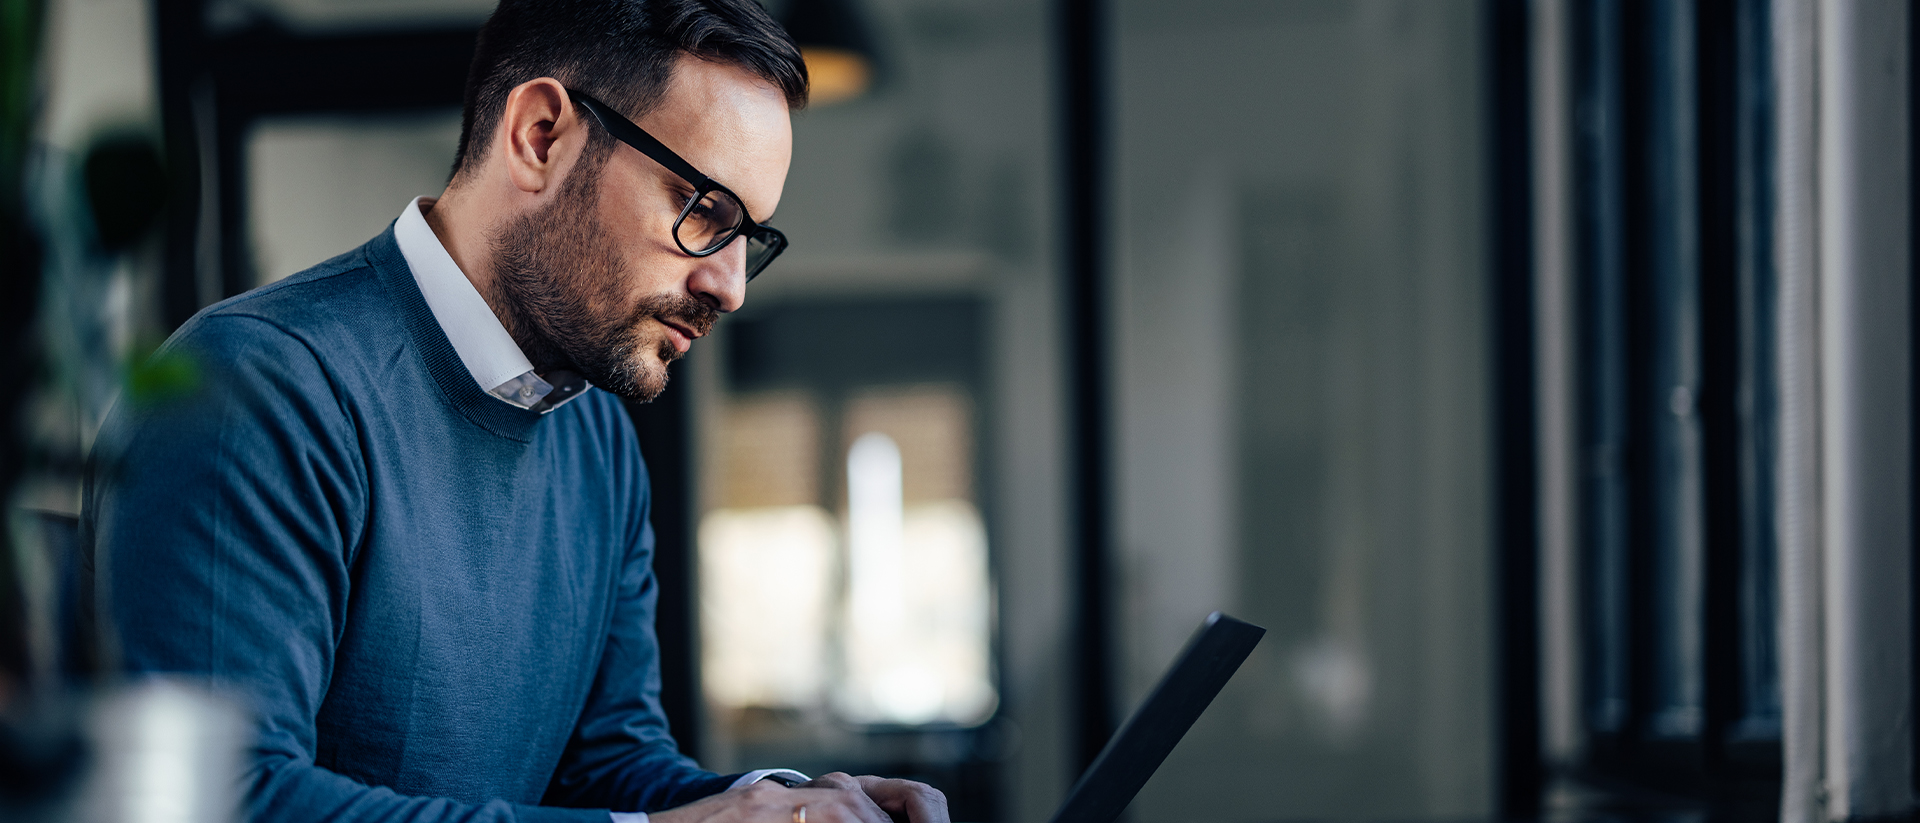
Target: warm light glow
x=835 y=75
x=918 y=603
x=877 y=585
x=883 y=617
x=766 y=579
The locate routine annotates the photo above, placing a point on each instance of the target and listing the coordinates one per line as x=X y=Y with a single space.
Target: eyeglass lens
x=761 y=249
x=709 y=222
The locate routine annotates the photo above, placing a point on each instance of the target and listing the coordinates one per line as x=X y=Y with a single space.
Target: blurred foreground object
x=92 y=216
x=78 y=218
x=158 y=752
x=19 y=278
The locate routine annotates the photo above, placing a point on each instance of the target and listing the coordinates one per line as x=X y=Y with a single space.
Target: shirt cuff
x=758 y=775
x=629 y=817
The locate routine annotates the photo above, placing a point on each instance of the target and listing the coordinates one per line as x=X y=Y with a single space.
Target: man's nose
x=721 y=279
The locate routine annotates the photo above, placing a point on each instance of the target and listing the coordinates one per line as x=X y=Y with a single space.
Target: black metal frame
x=1673 y=181
x=1081 y=29
x=1519 y=773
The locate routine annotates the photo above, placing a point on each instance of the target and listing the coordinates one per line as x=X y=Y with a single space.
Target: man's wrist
x=785 y=777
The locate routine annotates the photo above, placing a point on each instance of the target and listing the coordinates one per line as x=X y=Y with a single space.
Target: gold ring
x=800 y=813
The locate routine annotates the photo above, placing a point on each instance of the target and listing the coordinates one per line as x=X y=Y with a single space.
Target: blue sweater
x=440 y=606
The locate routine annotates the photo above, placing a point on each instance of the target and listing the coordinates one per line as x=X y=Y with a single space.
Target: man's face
x=593 y=281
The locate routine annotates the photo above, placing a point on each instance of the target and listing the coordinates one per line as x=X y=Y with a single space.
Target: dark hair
x=620 y=52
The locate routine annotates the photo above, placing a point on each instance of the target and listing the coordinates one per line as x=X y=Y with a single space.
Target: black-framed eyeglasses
x=713 y=216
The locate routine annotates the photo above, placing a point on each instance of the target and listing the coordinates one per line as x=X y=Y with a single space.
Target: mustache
x=696 y=314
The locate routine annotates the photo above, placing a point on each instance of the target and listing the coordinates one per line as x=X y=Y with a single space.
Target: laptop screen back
x=1202 y=669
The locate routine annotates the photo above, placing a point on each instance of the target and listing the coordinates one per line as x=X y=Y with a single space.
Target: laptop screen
x=1202 y=669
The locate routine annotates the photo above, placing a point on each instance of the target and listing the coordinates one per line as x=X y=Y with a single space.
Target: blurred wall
x=940 y=182
x=321 y=186
x=1303 y=418
x=99 y=70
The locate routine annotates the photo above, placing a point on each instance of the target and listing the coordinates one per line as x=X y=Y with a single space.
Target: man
x=393 y=514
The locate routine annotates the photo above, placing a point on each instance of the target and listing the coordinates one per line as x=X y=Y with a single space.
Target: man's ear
x=542 y=134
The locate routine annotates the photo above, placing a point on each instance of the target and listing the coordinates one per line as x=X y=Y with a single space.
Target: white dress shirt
x=485 y=348
x=497 y=363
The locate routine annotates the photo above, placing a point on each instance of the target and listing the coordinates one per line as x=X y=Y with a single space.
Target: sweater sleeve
x=222 y=523
x=622 y=754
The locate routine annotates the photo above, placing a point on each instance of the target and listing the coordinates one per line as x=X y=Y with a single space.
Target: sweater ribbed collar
x=449 y=372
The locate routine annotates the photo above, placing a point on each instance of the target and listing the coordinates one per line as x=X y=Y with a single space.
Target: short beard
x=558 y=286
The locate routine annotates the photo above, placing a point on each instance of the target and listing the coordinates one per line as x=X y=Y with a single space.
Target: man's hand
x=833 y=798
x=902 y=800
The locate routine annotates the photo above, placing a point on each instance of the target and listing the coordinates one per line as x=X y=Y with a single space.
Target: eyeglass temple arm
x=631 y=134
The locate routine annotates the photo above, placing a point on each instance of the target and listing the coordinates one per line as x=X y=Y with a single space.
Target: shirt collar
x=485 y=348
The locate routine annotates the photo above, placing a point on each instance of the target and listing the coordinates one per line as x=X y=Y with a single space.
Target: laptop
x=1202 y=669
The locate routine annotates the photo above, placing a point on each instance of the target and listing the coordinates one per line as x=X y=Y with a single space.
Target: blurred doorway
x=846 y=597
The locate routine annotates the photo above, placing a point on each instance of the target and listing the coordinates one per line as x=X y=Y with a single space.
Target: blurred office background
x=1538 y=373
